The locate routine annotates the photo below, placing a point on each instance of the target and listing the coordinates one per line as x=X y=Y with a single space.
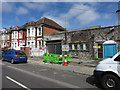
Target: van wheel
x=110 y=81
x=12 y=61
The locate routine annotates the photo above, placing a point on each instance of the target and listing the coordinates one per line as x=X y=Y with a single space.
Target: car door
x=5 y=55
x=9 y=55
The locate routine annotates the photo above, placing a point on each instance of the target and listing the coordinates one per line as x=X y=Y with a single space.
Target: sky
x=70 y=15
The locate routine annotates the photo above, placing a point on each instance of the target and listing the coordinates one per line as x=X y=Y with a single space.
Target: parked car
x=107 y=73
x=15 y=56
x=3 y=51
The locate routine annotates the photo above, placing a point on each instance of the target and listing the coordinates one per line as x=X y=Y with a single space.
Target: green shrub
x=97 y=59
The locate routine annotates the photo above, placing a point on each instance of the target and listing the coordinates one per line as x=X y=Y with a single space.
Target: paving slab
x=72 y=68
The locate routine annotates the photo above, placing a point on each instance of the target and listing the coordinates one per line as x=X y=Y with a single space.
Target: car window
x=20 y=53
x=10 y=52
x=117 y=58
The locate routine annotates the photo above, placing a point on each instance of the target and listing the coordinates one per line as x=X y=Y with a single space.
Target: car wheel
x=110 y=81
x=12 y=61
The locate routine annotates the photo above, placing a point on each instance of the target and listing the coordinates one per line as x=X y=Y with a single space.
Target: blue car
x=14 y=56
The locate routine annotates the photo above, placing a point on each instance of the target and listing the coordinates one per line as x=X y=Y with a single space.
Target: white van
x=107 y=72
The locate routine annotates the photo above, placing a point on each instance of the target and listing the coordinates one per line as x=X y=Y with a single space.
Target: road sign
x=96 y=46
x=65 y=47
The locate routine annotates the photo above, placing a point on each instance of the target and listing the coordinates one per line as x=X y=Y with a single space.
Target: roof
x=49 y=22
x=15 y=28
x=44 y=21
x=109 y=42
x=94 y=27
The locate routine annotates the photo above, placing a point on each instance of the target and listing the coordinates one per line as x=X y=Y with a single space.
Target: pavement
x=86 y=67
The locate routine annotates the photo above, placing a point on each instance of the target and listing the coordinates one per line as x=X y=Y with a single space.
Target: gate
x=54 y=47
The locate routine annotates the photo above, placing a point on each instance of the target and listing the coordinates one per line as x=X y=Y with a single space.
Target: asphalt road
x=30 y=76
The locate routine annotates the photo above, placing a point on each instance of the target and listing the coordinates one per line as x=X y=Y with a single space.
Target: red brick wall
x=26 y=50
x=48 y=31
x=24 y=36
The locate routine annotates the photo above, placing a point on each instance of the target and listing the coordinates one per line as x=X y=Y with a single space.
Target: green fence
x=56 y=58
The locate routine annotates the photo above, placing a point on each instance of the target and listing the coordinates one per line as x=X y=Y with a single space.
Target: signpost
x=65 y=47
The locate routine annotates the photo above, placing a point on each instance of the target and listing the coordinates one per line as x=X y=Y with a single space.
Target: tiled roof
x=44 y=21
x=15 y=28
x=49 y=22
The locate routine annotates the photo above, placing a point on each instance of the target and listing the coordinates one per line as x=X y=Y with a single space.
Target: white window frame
x=32 y=31
x=16 y=34
x=39 y=32
x=20 y=35
x=8 y=36
x=28 y=32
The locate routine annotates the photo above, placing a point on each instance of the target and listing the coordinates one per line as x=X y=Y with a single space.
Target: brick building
x=5 y=38
x=30 y=34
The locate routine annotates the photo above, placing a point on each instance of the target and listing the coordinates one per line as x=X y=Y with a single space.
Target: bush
x=11 y=49
x=97 y=59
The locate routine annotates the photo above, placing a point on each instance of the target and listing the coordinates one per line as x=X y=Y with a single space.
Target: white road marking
x=23 y=86
x=46 y=78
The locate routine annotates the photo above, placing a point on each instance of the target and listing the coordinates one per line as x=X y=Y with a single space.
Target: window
x=39 y=43
x=12 y=45
x=15 y=34
x=15 y=45
x=20 y=34
x=28 y=32
x=75 y=46
x=70 y=46
x=8 y=37
x=117 y=58
x=10 y=52
x=39 y=31
x=81 y=46
x=87 y=46
x=32 y=44
x=7 y=43
x=32 y=31
x=28 y=43
x=20 y=53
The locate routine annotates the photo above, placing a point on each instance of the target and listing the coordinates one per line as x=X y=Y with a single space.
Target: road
x=30 y=76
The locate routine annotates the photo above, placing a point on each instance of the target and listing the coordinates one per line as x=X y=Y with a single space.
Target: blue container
x=109 y=49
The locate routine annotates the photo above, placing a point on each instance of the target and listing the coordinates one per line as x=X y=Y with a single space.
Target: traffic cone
x=65 y=63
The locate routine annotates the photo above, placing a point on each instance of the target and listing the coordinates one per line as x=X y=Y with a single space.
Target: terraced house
x=5 y=38
x=31 y=34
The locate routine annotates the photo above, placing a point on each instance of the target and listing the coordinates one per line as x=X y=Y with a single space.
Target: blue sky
x=72 y=15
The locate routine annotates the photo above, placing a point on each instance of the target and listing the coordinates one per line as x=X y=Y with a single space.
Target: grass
x=97 y=59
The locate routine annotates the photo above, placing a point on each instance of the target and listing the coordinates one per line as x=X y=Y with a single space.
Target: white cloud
x=22 y=10
x=7 y=7
x=35 y=6
x=83 y=14
x=79 y=14
x=87 y=17
x=107 y=16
